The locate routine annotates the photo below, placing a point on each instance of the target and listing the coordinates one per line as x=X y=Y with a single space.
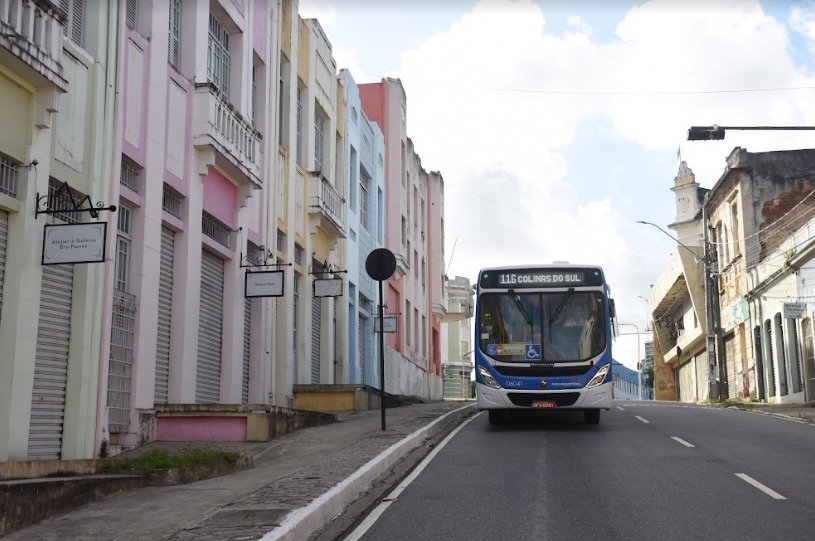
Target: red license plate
x=543 y=404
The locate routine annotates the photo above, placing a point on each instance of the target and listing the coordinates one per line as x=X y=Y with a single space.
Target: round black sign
x=380 y=264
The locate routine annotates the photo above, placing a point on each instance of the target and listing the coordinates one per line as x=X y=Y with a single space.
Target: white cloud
x=496 y=99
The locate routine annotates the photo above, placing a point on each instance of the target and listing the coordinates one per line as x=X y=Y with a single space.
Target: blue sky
x=562 y=119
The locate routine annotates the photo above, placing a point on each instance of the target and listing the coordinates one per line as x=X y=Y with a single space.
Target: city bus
x=543 y=340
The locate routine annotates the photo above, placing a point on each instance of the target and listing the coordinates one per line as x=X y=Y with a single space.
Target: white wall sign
x=390 y=324
x=794 y=310
x=74 y=243
x=264 y=284
x=328 y=287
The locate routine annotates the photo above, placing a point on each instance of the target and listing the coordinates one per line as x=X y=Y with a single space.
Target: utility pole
x=710 y=327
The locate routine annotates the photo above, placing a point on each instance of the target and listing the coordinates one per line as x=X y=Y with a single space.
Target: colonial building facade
x=757 y=239
x=249 y=186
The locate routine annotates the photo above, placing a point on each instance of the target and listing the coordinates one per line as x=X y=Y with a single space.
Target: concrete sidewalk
x=297 y=485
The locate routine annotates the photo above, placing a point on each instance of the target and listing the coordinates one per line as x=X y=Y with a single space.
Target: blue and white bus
x=543 y=340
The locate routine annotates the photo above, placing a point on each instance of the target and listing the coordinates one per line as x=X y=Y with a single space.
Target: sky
x=558 y=124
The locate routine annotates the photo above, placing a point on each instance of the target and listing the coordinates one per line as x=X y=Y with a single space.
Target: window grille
x=130 y=174
x=215 y=229
x=218 y=55
x=123 y=249
x=174 y=46
x=171 y=201
x=120 y=373
x=8 y=176
x=64 y=200
x=254 y=255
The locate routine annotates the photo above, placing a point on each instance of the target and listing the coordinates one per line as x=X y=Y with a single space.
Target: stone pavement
x=298 y=484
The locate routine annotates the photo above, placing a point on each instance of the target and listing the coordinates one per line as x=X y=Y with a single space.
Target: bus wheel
x=592 y=417
x=496 y=417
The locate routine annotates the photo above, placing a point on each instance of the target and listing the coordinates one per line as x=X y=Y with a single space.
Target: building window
x=130 y=174
x=215 y=229
x=364 y=180
x=171 y=201
x=319 y=140
x=218 y=55
x=75 y=23
x=299 y=150
x=254 y=96
x=734 y=226
x=8 y=176
x=132 y=13
x=174 y=47
x=123 y=241
x=62 y=196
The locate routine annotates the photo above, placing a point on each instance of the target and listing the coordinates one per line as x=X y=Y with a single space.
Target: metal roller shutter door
x=51 y=363
x=165 y=303
x=316 y=317
x=686 y=382
x=730 y=360
x=361 y=346
x=3 y=240
x=247 y=343
x=210 y=325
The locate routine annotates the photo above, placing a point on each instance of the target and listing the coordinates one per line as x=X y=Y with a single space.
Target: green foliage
x=724 y=403
x=160 y=459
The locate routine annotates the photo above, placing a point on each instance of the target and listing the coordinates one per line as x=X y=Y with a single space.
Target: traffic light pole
x=716 y=133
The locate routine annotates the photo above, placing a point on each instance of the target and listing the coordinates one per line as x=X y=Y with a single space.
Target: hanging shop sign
x=74 y=243
x=264 y=284
x=328 y=287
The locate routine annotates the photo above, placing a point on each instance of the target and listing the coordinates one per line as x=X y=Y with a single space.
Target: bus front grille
x=541 y=371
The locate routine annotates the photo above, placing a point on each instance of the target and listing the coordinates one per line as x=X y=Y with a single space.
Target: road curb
x=301 y=523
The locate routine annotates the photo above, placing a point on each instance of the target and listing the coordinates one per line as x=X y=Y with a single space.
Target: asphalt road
x=649 y=471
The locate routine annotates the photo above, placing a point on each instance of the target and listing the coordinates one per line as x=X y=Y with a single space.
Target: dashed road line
x=646 y=421
x=763 y=488
x=683 y=442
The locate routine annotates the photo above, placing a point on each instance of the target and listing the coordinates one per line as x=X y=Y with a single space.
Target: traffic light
x=705 y=133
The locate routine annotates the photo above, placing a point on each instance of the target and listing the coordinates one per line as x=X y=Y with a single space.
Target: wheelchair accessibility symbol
x=533 y=352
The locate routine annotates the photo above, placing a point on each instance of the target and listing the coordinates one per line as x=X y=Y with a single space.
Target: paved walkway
x=298 y=483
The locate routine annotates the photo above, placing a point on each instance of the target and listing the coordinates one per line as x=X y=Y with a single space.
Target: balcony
x=326 y=204
x=218 y=127
x=31 y=41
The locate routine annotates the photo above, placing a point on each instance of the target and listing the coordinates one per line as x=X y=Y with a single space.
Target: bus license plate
x=543 y=404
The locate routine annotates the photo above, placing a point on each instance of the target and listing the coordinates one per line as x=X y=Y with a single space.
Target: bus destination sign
x=505 y=278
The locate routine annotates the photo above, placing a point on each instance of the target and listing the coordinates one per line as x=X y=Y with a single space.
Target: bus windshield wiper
x=520 y=306
x=561 y=305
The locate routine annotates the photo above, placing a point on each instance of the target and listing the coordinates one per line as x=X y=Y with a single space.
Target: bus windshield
x=542 y=327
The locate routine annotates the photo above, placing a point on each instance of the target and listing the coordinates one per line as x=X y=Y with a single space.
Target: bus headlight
x=488 y=379
x=598 y=377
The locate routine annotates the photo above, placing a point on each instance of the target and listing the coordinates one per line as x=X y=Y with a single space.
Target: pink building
x=414 y=232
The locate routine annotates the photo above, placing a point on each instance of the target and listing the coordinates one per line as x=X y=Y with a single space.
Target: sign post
x=380 y=265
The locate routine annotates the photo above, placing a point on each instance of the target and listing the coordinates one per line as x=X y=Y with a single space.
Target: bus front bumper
x=490 y=398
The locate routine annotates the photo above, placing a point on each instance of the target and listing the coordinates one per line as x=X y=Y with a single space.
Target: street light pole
x=714 y=392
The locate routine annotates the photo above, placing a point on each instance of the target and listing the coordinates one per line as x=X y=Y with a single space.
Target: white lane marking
x=683 y=442
x=371 y=519
x=621 y=409
x=765 y=489
x=646 y=421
